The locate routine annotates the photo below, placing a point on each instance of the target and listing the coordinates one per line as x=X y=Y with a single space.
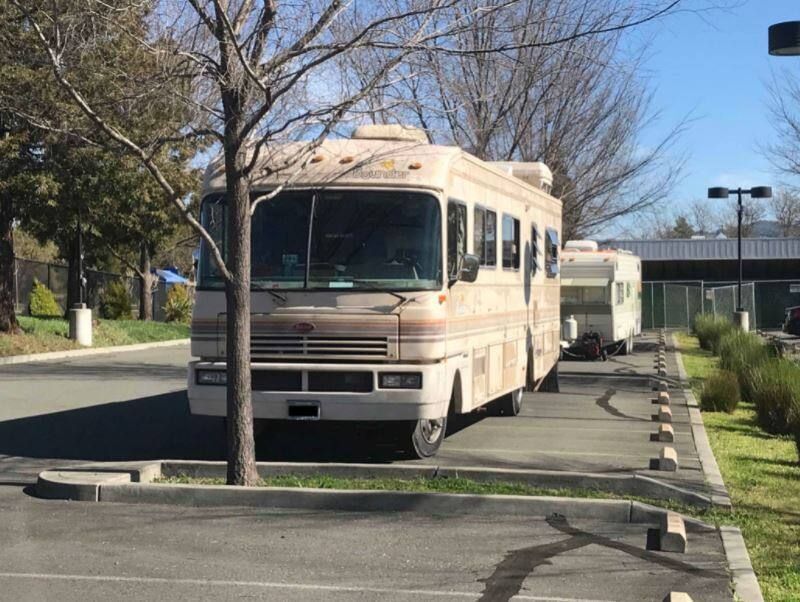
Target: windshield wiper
x=380 y=289
x=275 y=294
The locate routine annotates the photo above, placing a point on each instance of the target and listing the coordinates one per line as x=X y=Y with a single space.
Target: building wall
x=721 y=270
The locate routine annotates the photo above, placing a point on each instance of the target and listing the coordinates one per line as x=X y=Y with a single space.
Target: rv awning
x=584 y=282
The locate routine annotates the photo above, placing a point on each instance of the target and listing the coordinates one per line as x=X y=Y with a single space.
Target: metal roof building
x=714 y=259
x=772 y=264
x=710 y=249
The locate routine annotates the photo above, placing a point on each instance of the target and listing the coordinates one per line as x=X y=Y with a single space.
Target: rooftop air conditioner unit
x=581 y=245
x=535 y=174
x=397 y=132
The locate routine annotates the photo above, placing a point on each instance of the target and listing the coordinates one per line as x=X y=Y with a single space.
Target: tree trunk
x=8 y=318
x=241 y=445
x=145 y=284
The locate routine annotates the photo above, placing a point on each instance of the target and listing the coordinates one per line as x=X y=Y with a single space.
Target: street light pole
x=740 y=316
x=80 y=316
x=739 y=244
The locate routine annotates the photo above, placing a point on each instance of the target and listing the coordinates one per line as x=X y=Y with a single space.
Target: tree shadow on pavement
x=148 y=428
x=161 y=427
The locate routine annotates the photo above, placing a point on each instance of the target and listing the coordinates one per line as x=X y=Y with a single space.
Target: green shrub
x=742 y=353
x=720 y=392
x=709 y=329
x=115 y=302
x=42 y=303
x=795 y=426
x=179 y=304
x=776 y=394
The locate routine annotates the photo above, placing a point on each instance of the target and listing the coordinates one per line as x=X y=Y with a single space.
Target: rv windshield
x=360 y=240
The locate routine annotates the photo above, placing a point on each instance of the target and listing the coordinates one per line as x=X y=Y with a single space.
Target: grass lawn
x=50 y=334
x=435 y=485
x=762 y=475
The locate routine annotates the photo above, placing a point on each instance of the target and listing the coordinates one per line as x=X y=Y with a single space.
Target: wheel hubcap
x=431 y=429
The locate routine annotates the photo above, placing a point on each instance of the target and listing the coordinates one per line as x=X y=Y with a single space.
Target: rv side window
x=491 y=238
x=583 y=295
x=551 y=248
x=479 y=234
x=484 y=236
x=510 y=242
x=620 y=293
x=213 y=219
x=456 y=235
x=534 y=250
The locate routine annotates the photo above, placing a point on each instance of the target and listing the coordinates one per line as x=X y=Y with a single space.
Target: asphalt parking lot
x=82 y=551
x=132 y=406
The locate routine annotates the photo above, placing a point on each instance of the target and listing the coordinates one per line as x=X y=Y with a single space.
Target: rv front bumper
x=308 y=391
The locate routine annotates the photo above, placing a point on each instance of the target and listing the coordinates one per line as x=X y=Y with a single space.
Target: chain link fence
x=55 y=277
x=675 y=304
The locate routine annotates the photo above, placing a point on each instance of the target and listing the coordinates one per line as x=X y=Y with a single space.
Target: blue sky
x=715 y=66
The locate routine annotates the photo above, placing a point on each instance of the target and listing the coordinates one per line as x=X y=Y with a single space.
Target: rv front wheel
x=511 y=404
x=427 y=436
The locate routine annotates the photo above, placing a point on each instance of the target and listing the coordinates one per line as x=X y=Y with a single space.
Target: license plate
x=303 y=410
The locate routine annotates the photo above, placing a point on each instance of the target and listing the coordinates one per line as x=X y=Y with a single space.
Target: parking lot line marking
x=275 y=585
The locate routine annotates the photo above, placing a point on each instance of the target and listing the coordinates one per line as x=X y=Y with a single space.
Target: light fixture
x=784 y=39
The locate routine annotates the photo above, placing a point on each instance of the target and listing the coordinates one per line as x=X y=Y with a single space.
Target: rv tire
x=427 y=436
x=511 y=403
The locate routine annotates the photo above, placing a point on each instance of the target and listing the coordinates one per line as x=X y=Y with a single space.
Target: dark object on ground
x=590 y=346
x=791 y=324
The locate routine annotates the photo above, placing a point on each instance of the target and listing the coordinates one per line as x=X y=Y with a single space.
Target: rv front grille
x=340 y=382
x=265 y=346
x=276 y=380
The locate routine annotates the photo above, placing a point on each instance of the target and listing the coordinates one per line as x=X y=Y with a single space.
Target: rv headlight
x=212 y=377
x=401 y=380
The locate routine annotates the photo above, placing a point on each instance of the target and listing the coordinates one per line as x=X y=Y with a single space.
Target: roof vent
x=535 y=174
x=398 y=132
x=581 y=245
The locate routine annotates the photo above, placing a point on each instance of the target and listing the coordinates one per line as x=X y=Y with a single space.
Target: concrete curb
x=74 y=353
x=626 y=484
x=744 y=577
x=121 y=484
x=364 y=501
x=708 y=462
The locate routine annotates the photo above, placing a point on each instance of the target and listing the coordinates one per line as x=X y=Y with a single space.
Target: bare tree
x=251 y=75
x=784 y=108
x=578 y=106
x=785 y=206
x=704 y=217
x=752 y=212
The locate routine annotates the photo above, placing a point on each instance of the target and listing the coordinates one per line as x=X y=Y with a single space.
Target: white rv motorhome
x=602 y=291
x=392 y=280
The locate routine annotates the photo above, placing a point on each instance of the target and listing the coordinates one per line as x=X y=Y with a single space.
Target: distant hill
x=765 y=228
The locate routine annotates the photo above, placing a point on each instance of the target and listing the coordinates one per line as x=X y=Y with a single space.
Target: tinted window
x=510 y=242
x=456 y=235
x=551 y=249
x=360 y=240
x=363 y=238
x=485 y=237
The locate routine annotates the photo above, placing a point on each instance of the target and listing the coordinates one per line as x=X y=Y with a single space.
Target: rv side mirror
x=468 y=268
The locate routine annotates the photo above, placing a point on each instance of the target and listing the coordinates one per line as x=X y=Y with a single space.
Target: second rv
x=601 y=290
